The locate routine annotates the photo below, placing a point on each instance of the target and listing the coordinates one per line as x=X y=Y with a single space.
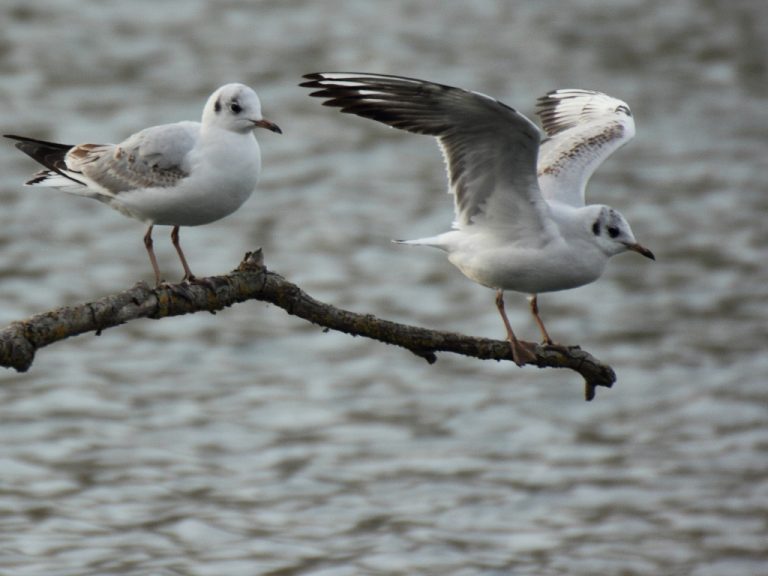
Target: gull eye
x=235 y=108
x=613 y=232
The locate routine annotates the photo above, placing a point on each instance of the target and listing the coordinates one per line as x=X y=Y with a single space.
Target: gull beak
x=271 y=126
x=642 y=250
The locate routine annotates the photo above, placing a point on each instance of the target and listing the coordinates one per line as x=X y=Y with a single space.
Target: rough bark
x=252 y=281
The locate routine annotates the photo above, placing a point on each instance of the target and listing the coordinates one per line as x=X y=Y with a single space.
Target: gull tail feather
x=433 y=241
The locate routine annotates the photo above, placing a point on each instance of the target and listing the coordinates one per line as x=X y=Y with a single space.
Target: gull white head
x=237 y=108
x=612 y=233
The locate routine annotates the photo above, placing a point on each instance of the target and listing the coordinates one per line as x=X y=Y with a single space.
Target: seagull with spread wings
x=521 y=222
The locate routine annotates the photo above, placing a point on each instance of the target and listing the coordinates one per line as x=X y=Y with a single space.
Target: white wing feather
x=583 y=128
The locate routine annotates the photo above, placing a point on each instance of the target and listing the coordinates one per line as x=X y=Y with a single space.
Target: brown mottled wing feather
x=584 y=128
x=152 y=158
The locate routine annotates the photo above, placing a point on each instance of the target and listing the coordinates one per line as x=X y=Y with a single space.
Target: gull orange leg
x=532 y=300
x=148 y=244
x=520 y=353
x=175 y=240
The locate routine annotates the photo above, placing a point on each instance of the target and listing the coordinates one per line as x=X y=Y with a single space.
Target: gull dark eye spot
x=235 y=108
x=596 y=228
x=217 y=105
x=613 y=232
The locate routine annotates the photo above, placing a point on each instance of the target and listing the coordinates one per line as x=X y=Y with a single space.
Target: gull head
x=612 y=233
x=237 y=108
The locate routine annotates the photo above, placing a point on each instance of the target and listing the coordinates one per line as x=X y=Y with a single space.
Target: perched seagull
x=182 y=174
x=520 y=224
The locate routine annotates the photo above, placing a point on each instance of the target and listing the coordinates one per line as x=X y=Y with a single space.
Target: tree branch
x=252 y=281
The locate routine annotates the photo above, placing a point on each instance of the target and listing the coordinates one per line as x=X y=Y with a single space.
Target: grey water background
x=250 y=442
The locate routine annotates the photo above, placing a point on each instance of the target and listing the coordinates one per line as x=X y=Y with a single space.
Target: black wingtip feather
x=49 y=154
x=417 y=106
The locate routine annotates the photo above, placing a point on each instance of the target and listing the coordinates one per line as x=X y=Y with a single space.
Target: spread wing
x=583 y=128
x=490 y=149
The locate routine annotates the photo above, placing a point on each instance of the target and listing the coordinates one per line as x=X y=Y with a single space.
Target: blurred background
x=251 y=442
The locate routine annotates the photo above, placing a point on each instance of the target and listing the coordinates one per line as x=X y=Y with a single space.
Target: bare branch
x=252 y=281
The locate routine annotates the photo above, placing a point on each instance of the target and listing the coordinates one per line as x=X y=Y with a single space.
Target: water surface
x=201 y=446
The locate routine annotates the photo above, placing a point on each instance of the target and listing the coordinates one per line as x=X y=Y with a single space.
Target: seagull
x=521 y=222
x=181 y=174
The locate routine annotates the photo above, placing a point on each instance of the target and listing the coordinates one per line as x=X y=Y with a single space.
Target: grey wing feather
x=154 y=157
x=490 y=148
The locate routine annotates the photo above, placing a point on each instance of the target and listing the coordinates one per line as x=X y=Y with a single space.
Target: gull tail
x=433 y=241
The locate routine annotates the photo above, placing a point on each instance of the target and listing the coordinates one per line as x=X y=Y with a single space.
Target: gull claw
x=522 y=353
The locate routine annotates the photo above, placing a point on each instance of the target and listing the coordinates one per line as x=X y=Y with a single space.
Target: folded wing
x=155 y=157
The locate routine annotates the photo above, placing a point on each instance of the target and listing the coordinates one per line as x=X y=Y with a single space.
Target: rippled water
x=201 y=446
